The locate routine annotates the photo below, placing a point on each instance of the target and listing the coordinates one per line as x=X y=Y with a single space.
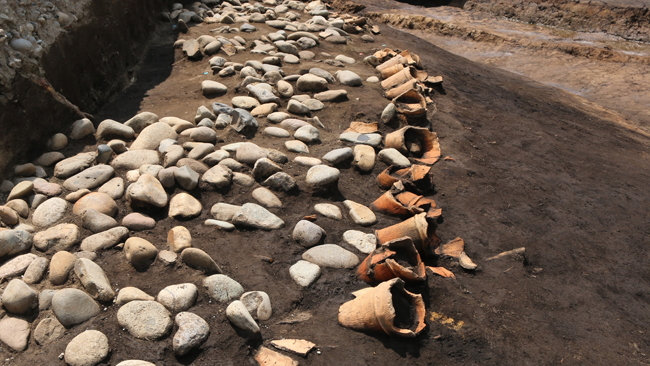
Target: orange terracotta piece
x=297 y=346
x=396 y=91
x=387 y=308
x=310 y=217
x=419 y=137
x=434 y=79
x=452 y=249
x=415 y=228
x=405 y=57
x=391 y=70
x=395 y=259
x=411 y=104
x=442 y=271
x=387 y=203
x=400 y=202
x=418 y=178
x=385 y=54
x=402 y=77
x=363 y=127
x=268 y=357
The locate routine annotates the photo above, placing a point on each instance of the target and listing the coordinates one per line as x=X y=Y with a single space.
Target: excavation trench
x=85 y=66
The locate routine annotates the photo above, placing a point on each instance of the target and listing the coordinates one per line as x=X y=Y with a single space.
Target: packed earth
x=288 y=183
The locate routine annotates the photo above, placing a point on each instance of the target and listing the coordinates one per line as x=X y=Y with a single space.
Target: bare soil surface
x=533 y=166
x=603 y=68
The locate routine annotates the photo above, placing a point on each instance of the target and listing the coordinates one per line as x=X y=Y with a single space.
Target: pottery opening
x=405 y=311
x=405 y=259
x=414 y=143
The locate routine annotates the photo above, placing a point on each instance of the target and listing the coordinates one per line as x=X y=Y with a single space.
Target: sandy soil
x=534 y=167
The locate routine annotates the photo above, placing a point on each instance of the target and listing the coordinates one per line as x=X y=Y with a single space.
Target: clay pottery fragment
x=387 y=203
x=452 y=249
x=434 y=213
x=396 y=91
x=399 y=78
x=417 y=178
x=387 y=308
x=415 y=228
x=395 y=259
x=386 y=179
x=391 y=70
x=466 y=262
x=403 y=58
x=426 y=141
x=360 y=21
x=385 y=54
x=400 y=202
x=442 y=271
x=412 y=200
x=411 y=104
x=433 y=80
x=420 y=172
x=363 y=127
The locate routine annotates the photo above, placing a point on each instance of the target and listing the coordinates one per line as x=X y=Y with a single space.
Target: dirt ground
x=603 y=68
x=534 y=167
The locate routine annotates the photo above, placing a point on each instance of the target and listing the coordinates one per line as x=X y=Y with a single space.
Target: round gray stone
x=72 y=306
x=222 y=288
x=331 y=255
x=145 y=319
x=304 y=273
x=87 y=349
x=192 y=332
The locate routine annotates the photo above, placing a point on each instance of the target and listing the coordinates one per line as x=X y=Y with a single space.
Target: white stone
x=192 y=332
x=307 y=134
x=360 y=214
x=223 y=288
x=87 y=349
x=258 y=304
x=237 y=313
x=49 y=212
x=266 y=197
x=145 y=319
x=304 y=273
x=365 y=243
x=94 y=280
x=322 y=175
x=252 y=215
x=331 y=255
x=178 y=298
x=393 y=157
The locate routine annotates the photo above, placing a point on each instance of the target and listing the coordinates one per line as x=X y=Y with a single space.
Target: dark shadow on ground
x=155 y=68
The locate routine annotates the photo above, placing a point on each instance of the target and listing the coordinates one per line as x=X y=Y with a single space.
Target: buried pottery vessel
x=417 y=178
x=411 y=104
x=398 y=90
x=387 y=308
x=418 y=142
x=395 y=259
x=403 y=76
x=415 y=228
x=400 y=202
x=391 y=70
x=405 y=57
